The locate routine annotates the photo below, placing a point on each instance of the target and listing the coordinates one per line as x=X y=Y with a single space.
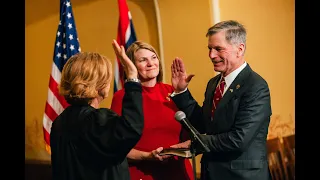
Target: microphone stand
x=196 y=139
x=193 y=155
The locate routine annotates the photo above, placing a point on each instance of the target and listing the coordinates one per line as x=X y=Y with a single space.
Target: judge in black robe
x=88 y=142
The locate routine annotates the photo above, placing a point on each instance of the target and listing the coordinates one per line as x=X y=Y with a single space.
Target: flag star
x=64 y=56
x=58 y=33
x=69 y=25
x=59 y=55
x=68 y=4
x=69 y=15
x=79 y=49
x=71 y=47
x=77 y=39
x=64 y=46
x=70 y=36
x=58 y=44
x=64 y=35
x=60 y=22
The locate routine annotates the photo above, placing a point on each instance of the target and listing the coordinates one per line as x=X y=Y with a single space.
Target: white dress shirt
x=230 y=78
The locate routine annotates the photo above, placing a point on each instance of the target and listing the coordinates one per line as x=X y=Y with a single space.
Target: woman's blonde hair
x=134 y=47
x=83 y=77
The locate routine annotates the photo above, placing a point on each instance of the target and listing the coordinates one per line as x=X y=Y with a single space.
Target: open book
x=182 y=152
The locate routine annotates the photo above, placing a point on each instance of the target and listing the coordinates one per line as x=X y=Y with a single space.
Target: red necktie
x=217 y=95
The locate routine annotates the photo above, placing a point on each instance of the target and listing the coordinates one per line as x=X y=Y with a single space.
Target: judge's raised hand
x=128 y=66
x=179 y=77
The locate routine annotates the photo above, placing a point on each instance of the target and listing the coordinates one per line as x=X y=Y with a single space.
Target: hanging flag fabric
x=126 y=36
x=66 y=45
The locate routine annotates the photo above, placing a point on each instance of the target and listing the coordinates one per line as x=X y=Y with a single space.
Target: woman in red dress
x=161 y=130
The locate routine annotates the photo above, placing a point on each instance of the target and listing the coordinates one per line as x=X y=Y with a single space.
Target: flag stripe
x=55 y=73
x=46 y=137
x=128 y=34
x=47 y=122
x=53 y=85
x=50 y=113
x=54 y=102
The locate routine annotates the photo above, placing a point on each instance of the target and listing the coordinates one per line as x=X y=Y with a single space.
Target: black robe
x=92 y=144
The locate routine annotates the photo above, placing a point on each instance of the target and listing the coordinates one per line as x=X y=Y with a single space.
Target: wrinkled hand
x=185 y=144
x=179 y=77
x=128 y=66
x=154 y=155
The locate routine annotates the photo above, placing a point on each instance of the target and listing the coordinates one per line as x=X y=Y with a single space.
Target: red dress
x=160 y=130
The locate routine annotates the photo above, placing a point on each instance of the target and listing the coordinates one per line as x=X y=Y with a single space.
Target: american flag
x=126 y=36
x=66 y=45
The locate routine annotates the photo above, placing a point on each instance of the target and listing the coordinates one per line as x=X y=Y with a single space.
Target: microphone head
x=179 y=115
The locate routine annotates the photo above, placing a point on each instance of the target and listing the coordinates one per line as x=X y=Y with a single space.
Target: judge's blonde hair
x=83 y=76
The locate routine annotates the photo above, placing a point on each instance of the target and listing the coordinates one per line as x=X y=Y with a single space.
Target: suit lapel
x=234 y=88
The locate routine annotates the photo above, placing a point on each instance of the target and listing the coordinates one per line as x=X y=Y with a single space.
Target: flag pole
x=159 y=26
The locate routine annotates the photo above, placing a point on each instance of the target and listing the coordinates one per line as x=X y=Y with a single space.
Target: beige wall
x=270 y=48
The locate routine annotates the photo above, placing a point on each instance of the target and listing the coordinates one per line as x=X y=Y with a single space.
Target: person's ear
x=241 y=49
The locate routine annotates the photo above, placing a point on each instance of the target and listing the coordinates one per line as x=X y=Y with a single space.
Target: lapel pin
x=231 y=90
x=238 y=86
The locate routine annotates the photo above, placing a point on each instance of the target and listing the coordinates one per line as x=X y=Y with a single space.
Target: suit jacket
x=92 y=144
x=236 y=135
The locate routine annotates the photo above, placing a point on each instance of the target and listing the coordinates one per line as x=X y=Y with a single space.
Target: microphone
x=181 y=117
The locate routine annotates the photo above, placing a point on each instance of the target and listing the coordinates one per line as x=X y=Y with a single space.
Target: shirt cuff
x=174 y=93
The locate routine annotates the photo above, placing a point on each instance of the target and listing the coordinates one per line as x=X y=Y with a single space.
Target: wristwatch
x=133 y=80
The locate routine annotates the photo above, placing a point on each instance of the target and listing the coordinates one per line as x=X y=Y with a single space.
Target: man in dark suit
x=236 y=127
